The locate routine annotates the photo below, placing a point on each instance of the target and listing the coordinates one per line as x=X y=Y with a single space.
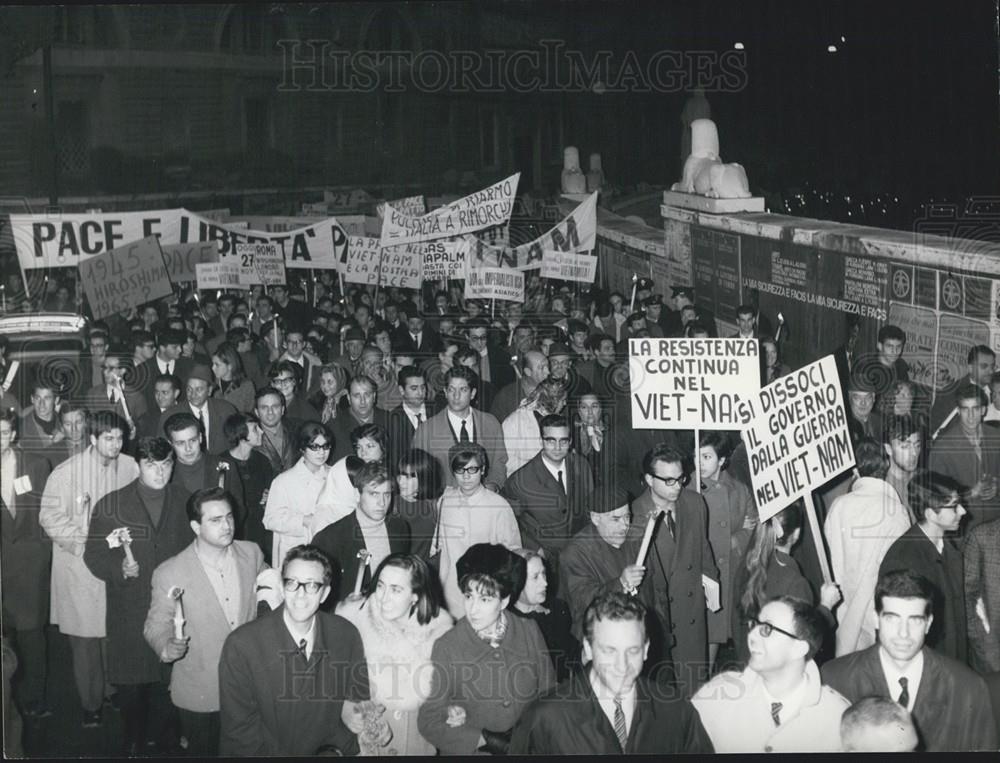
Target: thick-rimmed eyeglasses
x=556 y=440
x=766 y=628
x=468 y=470
x=291 y=585
x=317 y=446
x=673 y=481
x=282 y=382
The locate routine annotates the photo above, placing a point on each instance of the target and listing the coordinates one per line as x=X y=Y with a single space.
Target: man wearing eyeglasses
x=680 y=560
x=777 y=703
x=113 y=394
x=230 y=568
x=950 y=703
x=286 y=377
x=550 y=493
x=368 y=528
x=153 y=511
x=494 y=362
x=290 y=681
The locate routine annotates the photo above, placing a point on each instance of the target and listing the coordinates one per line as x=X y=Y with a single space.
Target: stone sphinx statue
x=573 y=179
x=704 y=172
x=595 y=178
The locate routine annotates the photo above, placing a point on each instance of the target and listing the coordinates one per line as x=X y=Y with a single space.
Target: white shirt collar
x=456 y=423
x=913 y=673
x=607 y=700
x=554 y=470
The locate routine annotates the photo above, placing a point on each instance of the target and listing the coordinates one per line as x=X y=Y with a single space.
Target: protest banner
x=413 y=206
x=219 y=275
x=66 y=240
x=569 y=266
x=347 y=200
x=797 y=438
x=495 y=283
x=444 y=259
x=353 y=224
x=180 y=259
x=483 y=209
x=260 y=264
x=125 y=277
x=577 y=232
x=368 y=262
x=692 y=383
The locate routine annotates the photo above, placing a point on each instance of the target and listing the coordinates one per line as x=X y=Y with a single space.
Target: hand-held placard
x=223 y=468
x=120 y=538
x=364 y=558
x=175 y=593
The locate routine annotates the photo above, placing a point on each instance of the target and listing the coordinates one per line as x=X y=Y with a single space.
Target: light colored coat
x=338 y=498
x=291 y=508
x=522 y=436
x=78 y=598
x=194 y=679
x=860 y=528
x=736 y=713
x=399 y=670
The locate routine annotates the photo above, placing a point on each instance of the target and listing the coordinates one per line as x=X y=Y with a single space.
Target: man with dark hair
x=859 y=528
x=362 y=394
x=599 y=370
x=969 y=453
x=245 y=437
x=289 y=681
x=78 y=598
x=550 y=493
x=610 y=710
x=982 y=364
x=561 y=369
x=949 y=703
x=982 y=597
x=679 y=562
x=460 y=422
x=494 y=362
x=746 y=322
x=877 y=724
x=406 y=417
x=368 y=528
x=114 y=394
x=903 y=440
x=39 y=427
x=211 y=612
x=167 y=360
x=883 y=368
x=152 y=513
x=416 y=338
x=286 y=377
x=277 y=436
x=777 y=703
x=166 y=393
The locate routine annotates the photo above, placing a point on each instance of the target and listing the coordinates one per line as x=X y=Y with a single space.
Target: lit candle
x=363 y=558
x=648 y=536
x=223 y=468
x=175 y=593
x=635 y=284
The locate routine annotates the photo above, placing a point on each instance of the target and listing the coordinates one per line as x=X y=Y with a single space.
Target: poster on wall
x=715 y=259
x=921 y=337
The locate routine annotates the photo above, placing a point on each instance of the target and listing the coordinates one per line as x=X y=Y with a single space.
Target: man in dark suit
x=969 y=453
x=406 y=417
x=26 y=558
x=949 y=703
x=166 y=393
x=167 y=360
x=114 y=395
x=460 y=422
x=982 y=596
x=679 y=561
x=551 y=492
x=153 y=511
x=982 y=362
x=277 y=436
x=314 y=661
x=587 y=715
x=212 y=412
x=361 y=409
x=485 y=391
x=494 y=362
x=91 y=362
x=417 y=338
x=368 y=528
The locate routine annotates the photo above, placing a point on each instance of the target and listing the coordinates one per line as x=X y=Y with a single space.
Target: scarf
x=591 y=438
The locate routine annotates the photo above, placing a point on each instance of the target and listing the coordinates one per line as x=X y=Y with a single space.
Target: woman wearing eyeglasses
x=418 y=475
x=399 y=620
x=290 y=512
x=339 y=497
x=768 y=570
x=469 y=514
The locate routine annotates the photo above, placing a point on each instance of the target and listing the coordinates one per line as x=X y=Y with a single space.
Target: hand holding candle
x=175 y=593
x=781 y=324
x=223 y=468
x=647 y=537
x=123 y=539
x=364 y=557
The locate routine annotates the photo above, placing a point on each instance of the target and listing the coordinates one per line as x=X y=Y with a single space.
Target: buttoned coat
x=436 y=437
x=342 y=541
x=194 y=678
x=342 y=426
x=274 y=702
x=731 y=517
x=982 y=581
x=78 y=602
x=952 y=709
x=218 y=411
x=96 y=399
x=130 y=660
x=26 y=554
x=146 y=377
x=676 y=568
x=492 y=685
x=952 y=454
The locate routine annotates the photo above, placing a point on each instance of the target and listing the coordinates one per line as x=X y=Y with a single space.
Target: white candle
x=178 y=618
x=363 y=557
x=648 y=537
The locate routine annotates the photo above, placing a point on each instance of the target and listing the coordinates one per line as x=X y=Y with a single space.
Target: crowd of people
x=407 y=523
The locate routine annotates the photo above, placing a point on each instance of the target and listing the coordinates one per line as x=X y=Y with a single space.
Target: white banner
x=65 y=240
x=569 y=266
x=483 y=209
x=368 y=262
x=413 y=206
x=692 y=383
x=798 y=437
x=353 y=224
x=495 y=283
x=219 y=275
x=444 y=259
x=260 y=264
x=576 y=233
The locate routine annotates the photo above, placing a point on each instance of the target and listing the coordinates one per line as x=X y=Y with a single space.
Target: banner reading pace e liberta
x=487 y=208
x=65 y=240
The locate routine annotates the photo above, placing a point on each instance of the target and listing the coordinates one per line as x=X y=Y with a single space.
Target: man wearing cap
x=652 y=307
x=681 y=297
x=561 y=369
x=635 y=328
x=210 y=412
x=354 y=343
x=167 y=360
x=862 y=418
x=601 y=558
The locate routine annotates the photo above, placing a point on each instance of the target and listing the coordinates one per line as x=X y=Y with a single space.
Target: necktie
x=904 y=695
x=170 y=368
x=775 y=709
x=464 y=434
x=111 y=396
x=672 y=525
x=302 y=647
x=420 y=418
x=620 y=731
x=562 y=485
